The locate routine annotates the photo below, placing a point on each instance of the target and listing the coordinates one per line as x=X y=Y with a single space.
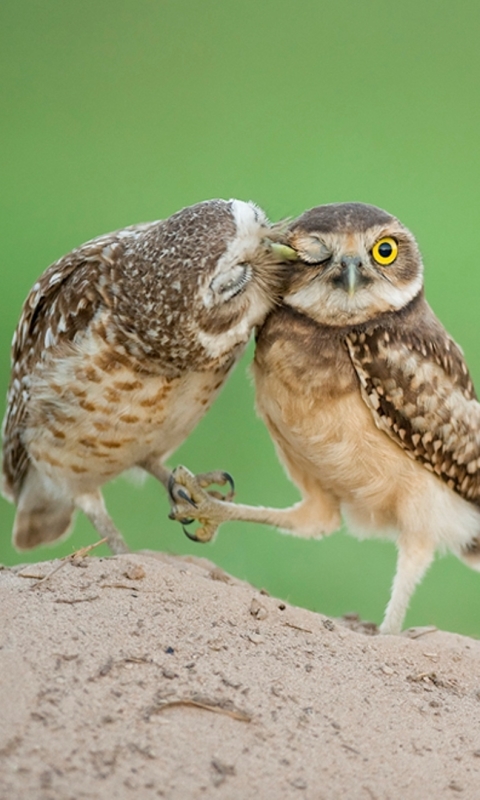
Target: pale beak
x=351 y=277
x=283 y=251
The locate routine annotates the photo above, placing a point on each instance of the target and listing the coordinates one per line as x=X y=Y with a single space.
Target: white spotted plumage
x=116 y=357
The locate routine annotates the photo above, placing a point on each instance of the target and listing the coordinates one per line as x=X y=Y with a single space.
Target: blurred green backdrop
x=120 y=112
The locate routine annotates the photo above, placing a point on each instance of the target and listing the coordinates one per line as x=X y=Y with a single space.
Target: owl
x=121 y=347
x=367 y=398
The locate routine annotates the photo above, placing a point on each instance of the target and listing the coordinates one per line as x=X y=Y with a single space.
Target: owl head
x=245 y=278
x=192 y=287
x=356 y=262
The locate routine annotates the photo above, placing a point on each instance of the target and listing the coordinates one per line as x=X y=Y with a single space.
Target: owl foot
x=219 y=477
x=191 y=502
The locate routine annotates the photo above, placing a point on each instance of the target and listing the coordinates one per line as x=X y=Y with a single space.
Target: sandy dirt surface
x=146 y=676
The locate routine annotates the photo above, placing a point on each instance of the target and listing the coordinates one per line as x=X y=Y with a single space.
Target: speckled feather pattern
x=122 y=344
x=367 y=399
x=420 y=393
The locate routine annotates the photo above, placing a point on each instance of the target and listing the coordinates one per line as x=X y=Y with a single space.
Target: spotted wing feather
x=58 y=309
x=419 y=391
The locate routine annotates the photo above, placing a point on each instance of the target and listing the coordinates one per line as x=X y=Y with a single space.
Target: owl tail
x=43 y=513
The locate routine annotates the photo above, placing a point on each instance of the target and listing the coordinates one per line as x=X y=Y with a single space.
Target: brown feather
x=121 y=347
x=414 y=380
x=367 y=398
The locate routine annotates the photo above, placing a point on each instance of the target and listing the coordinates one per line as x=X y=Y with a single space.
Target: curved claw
x=221 y=478
x=184 y=496
x=231 y=483
x=171 y=484
x=187 y=492
x=182 y=520
x=203 y=534
x=206 y=479
x=192 y=536
x=177 y=492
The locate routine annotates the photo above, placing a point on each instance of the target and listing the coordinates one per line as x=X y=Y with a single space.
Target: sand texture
x=147 y=676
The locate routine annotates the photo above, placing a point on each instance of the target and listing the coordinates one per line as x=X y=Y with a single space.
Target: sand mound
x=147 y=676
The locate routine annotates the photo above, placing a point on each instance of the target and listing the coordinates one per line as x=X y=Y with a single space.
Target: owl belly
x=326 y=436
x=85 y=428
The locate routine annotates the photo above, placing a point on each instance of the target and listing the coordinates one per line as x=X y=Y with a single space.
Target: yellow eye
x=385 y=251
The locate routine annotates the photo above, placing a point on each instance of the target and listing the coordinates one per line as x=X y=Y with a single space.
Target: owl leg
x=93 y=507
x=412 y=563
x=316 y=515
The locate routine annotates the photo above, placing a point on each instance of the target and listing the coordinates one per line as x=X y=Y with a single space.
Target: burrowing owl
x=121 y=347
x=367 y=398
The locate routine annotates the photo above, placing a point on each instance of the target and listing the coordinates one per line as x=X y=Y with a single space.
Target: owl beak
x=283 y=251
x=350 y=276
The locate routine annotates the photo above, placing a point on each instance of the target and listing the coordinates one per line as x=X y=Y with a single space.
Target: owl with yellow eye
x=367 y=398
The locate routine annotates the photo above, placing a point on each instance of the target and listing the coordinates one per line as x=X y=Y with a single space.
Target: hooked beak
x=351 y=277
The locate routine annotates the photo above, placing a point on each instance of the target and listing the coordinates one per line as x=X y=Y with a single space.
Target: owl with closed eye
x=367 y=398
x=121 y=347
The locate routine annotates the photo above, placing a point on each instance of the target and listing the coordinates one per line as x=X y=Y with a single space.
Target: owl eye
x=230 y=283
x=385 y=251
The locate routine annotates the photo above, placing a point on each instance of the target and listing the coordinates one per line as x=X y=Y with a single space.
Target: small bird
x=367 y=398
x=121 y=347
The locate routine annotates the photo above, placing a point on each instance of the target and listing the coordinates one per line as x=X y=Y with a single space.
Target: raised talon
x=177 y=492
x=192 y=536
x=171 y=484
x=184 y=496
x=191 y=502
x=182 y=520
x=203 y=534
x=221 y=478
x=230 y=482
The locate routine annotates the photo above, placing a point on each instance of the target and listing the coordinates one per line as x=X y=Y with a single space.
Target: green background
x=121 y=112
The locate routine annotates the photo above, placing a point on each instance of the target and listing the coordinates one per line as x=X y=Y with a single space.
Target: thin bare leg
x=412 y=563
x=158 y=470
x=93 y=507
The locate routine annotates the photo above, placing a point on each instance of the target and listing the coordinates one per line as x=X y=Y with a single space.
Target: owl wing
x=417 y=386
x=59 y=308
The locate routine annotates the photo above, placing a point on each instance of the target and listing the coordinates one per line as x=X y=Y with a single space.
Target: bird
x=367 y=398
x=121 y=347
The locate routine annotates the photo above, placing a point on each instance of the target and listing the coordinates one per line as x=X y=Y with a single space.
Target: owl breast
x=93 y=415
x=308 y=395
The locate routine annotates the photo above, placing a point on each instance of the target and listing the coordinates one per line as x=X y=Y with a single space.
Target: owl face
x=244 y=282
x=246 y=274
x=192 y=287
x=357 y=262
